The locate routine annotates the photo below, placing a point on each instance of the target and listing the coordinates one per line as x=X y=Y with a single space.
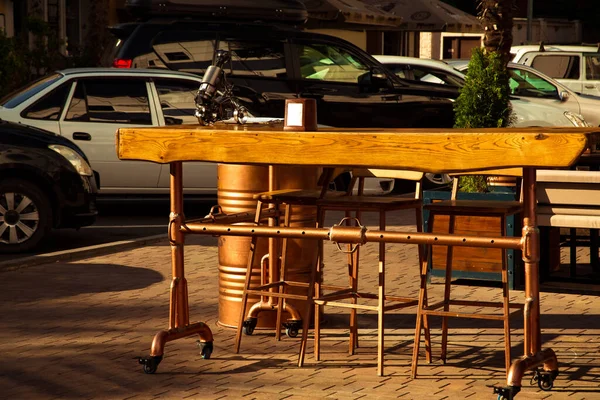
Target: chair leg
x=238 y=335
x=505 y=302
x=422 y=251
x=317 y=288
x=447 y=288
x=309 y=301
x=420 y=317
x=381 y=300
x=353 y=258
x=573 y=253
x=283 y=272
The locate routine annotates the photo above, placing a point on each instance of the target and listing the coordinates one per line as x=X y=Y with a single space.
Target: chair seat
x=369 y=202
x=475 y=207
x=294 y=196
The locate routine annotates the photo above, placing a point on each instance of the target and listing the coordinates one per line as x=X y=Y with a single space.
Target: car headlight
x=576 y=119
x=78 y=162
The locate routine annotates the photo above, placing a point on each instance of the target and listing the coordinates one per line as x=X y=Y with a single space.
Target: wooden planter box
x=474 y=262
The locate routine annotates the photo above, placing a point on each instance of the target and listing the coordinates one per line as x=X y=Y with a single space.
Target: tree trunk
x=497 y=19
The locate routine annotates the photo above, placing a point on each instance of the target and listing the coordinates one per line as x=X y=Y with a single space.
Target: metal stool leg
x=238 y=334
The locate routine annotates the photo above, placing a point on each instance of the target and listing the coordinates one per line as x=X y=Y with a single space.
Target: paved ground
x=72 y=329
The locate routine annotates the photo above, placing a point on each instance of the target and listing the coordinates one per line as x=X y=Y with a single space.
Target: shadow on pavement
x=65 y=279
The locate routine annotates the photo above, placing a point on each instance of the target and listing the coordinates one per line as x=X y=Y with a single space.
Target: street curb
x=79 y=253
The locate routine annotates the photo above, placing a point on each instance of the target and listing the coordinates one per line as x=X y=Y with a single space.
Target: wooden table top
x=427 y=150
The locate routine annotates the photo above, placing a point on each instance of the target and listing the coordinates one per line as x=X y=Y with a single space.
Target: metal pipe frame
x=359 y=235
x=179 y=323
x=528 y=243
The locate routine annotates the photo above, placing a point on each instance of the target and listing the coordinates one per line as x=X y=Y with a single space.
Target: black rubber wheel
x=291 y=332
x=150 y=364
x=248 y=326
x=150 y=368
x=545 y=383
x=206 y=350
x=26 y=215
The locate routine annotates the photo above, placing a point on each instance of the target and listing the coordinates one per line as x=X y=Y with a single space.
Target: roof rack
x=288 y=11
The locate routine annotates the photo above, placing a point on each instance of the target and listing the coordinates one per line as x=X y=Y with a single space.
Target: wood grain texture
x=427 y=150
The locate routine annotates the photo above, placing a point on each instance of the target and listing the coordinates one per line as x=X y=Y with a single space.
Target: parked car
x=45 y=182
x=576 y=67
x=527 y=112
x=272 y=62
x=89 y=105
x=531 y=85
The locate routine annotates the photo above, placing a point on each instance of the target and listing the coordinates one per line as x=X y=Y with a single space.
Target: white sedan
x=88 y=105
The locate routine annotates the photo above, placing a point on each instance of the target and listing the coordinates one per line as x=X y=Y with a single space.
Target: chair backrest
x=359 y=175
x=506 y=172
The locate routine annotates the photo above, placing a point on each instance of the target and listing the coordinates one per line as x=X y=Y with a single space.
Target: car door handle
x=392 y=97
x=82 y=136
x=590 y=86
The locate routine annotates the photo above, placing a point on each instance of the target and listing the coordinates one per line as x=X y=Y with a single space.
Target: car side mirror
x=375 y=79
x=563 y=95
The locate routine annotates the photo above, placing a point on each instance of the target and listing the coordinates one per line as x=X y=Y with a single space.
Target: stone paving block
x=71 y=331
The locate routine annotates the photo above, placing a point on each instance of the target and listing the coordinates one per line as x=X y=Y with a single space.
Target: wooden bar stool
x=453 y=208
x=274 y=274
x=336 y=294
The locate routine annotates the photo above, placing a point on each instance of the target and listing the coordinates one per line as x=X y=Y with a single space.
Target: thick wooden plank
x=427 y=150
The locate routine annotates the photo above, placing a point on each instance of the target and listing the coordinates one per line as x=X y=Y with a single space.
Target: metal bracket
x=348 y=234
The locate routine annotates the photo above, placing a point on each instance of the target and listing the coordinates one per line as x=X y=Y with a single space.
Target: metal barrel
x=237 y=184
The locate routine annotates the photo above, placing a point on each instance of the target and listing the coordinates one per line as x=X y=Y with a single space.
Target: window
x=17 y=97
x=110 y=101
x=324 y=62
x=255 y=58
x=558 y=66
x=436 y=76
x=190 y=51
x=177 y=100
x=50 y=106
x=592 y=66
x=527 y=84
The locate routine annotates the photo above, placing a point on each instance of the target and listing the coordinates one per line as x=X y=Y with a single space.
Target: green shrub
x=483 y=103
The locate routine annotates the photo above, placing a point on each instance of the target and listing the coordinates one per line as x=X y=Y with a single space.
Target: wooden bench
x=569 y=199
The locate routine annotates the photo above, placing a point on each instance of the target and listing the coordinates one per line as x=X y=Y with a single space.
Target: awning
x=350 y=11
x=428 y=15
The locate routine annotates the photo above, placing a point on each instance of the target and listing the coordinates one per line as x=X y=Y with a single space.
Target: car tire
x=434 y=181
x=341 y=182
x=25 y=216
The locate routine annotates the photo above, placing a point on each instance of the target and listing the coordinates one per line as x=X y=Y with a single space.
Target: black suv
x=45 y=182
x=272 y=62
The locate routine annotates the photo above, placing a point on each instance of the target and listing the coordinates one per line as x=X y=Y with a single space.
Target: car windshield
x=17 y=97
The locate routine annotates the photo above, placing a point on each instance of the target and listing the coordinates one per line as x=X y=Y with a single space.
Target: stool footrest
x=440 y=313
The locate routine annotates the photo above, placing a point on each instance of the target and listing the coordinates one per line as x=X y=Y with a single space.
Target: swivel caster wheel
x=544 y=379
x=248 y=326
x=150 y=364
x=292 y=328
x=206 y=349
x=506 y=393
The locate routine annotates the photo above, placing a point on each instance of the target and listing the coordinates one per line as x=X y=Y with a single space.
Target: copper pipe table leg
x=534 y=356
x=179 y=324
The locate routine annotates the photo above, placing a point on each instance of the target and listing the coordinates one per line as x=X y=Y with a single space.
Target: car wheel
x=432 y=181
x=341 y=182
x=25 y=216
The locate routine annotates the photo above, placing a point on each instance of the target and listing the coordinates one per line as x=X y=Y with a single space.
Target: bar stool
x=273 y=265
x=453 y=208
x=335 y=294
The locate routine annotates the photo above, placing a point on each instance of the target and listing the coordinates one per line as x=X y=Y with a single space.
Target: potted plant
x=483 y=103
